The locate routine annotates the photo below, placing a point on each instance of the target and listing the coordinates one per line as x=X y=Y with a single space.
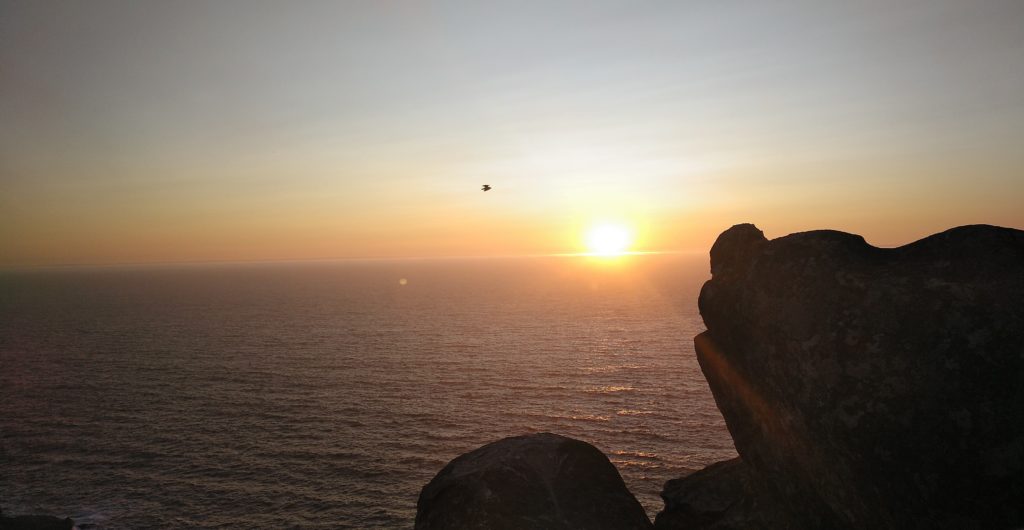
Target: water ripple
x=328 y=395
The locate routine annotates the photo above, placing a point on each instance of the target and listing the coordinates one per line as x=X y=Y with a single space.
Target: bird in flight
x=486 y=187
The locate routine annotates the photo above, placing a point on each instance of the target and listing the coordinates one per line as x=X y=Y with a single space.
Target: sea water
x=327 y=394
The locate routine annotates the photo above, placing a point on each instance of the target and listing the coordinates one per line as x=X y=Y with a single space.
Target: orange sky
x=153 y=132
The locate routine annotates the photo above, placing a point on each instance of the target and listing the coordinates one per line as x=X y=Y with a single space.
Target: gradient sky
x=177 y=131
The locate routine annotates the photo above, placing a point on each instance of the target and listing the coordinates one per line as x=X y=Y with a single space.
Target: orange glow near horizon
x=316 y=140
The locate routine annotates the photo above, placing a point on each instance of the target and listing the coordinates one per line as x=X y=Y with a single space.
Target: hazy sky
x=164 y=131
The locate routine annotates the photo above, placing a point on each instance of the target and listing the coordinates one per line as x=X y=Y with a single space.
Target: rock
x=868 y=387
x=536 y=481
x=715 y=497
x=35 y=522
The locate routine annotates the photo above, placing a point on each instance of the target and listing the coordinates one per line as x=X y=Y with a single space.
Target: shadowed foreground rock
x=713 y=498
x=34 y=522
x=868 y=387
x=540 y=481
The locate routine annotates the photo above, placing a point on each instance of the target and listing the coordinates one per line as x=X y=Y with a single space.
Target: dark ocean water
x=327 y=394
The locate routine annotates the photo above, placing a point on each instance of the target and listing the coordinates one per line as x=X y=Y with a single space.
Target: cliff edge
x=868 y=387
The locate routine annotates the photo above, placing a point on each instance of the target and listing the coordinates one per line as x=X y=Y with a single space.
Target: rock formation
x=536 y=481
x=866 y=387
x=715 y=497
x=34 y=522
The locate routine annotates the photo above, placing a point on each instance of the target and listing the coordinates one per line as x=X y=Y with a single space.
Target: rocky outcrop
x=868 y=387
x=535 y=481
x=714 y=498
x=35 y=522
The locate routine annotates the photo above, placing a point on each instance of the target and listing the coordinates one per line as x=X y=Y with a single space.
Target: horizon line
x=270 y=261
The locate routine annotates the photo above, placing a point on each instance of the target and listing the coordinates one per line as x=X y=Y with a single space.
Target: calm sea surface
x=327 y=394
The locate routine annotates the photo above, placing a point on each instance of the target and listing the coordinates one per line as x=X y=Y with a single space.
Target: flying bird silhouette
x=486 y=187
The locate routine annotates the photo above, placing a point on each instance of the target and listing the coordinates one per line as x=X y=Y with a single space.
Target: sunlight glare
x=608 y=239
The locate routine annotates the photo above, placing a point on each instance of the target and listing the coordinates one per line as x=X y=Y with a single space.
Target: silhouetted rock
x=868 y=387
x=35 y=522
x=530 y=482
x=715 y=497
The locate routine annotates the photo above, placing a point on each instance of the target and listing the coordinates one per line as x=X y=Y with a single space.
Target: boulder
x=714 y=498
x=535 y=481
x=868 y=387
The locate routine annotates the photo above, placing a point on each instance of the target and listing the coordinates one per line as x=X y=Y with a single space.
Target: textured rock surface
x=715 y=497
x=536 y=481
x=868 y=387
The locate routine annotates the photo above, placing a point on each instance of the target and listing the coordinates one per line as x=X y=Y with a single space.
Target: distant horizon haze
x=153 y=132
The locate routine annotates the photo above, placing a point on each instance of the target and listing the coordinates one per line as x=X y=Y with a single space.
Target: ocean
x=327 y=394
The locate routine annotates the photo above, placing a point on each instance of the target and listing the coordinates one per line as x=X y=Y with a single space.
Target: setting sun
x=608 y=239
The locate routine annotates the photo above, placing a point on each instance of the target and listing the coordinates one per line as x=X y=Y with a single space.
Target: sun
x=609 y=239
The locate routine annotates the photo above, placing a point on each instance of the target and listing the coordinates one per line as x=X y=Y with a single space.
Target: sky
x=151 y=131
